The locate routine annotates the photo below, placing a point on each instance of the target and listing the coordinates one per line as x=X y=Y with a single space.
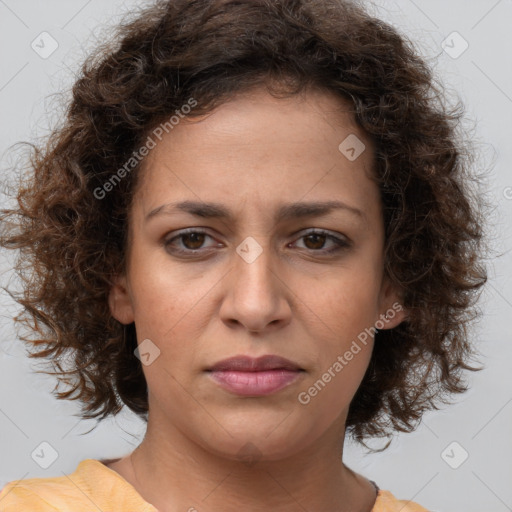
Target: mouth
x=247 y=376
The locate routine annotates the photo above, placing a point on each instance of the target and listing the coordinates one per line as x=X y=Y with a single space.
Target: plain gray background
x=428 y=466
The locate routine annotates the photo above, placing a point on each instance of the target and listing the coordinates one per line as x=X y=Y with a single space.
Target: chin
x=251 y=449
x=258 y=438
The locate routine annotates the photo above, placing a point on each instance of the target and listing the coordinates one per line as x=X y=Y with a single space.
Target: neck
x=173 y=472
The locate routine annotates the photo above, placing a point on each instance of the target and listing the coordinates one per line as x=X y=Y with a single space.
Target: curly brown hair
x=72 y=245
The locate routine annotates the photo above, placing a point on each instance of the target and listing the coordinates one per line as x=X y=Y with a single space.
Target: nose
x=256 y=297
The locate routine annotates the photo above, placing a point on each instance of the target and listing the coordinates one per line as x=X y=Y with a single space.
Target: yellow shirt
x=93 y=486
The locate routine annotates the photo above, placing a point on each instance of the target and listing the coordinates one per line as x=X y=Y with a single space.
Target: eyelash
x=340 y=243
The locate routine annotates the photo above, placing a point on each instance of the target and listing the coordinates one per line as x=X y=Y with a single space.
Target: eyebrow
x=285 y=212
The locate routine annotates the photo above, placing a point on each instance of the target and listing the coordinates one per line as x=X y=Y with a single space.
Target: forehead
x=256 y=151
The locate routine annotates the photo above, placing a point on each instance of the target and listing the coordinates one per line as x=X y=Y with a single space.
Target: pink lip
x=247 y=376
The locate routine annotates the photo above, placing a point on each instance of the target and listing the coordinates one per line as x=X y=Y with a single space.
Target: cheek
x=347 y=301
x=342 y=352
x=346 y=308
x=169 y=306
x=326 y=397
x=158 y=295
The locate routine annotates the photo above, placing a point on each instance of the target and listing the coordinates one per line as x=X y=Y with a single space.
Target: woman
x=255 y=230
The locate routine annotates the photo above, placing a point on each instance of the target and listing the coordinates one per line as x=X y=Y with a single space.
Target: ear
x=391 y=310
x=120 y=301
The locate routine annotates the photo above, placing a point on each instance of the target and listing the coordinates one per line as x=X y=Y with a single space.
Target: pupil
x=316 y=237
x=194 y=237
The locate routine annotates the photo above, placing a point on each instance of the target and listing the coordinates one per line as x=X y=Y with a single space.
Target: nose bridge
x=254 y=298
x=253 y=269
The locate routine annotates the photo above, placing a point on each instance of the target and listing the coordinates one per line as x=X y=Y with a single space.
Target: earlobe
x=392 y=316
x=392 y=311
x=120 y=302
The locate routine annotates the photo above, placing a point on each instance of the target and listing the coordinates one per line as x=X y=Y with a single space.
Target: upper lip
x=251 y=364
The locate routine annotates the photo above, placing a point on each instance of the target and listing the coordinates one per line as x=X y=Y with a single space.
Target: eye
x=191 y=241
x=315 y=240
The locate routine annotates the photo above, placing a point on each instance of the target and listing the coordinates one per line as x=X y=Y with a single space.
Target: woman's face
x=254 y=282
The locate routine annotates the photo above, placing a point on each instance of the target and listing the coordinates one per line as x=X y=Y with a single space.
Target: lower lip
x=254 y=383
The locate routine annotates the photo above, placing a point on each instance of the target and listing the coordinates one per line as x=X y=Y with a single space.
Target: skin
x=253 y=154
